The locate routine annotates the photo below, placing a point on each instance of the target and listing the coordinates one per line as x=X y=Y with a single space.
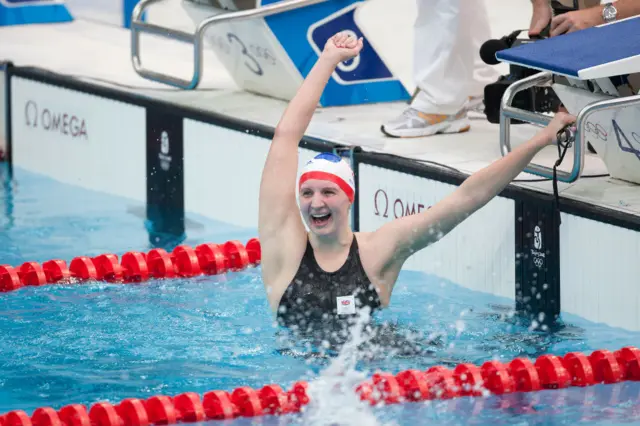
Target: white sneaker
x=413 y=123
x=475 y=107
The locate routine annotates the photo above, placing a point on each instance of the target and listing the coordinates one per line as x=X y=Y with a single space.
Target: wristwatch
x=609 y=13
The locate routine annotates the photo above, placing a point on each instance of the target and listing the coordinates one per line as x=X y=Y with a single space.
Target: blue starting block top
x=22 y=12
x=597 y=52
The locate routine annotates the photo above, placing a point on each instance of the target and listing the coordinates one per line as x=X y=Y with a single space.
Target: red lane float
x=553 y=374
x=56 y=271
x=254 y=251
x=497 y=378
x=31 y=273
x=104 y=414
x=186 y=261
x=414 y=385
x=136 y=267
x=606 y=367
x=160 y=264
x=212 y=259
x=133 y=412
x=579 y=369
x=274 y=400
x=74 y=415
x=9 y=279
x=161 y=410
x=46 y=416
x=525 y=375
x=217 y=406
x=469 y=379
x=83 y=269
x=298 y=396
x=438 y=382
x=236 y=254
x=629 y=360
x=189 y=407
x=108 y=268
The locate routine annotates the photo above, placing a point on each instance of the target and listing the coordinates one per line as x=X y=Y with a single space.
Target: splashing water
x=333 y=397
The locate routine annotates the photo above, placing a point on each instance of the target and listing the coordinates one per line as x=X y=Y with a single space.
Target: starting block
x=596 y=74
x=269 y=47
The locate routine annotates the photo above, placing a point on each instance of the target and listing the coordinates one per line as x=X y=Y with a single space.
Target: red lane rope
x=519 y=375
x=134 y=267
x=438 y=382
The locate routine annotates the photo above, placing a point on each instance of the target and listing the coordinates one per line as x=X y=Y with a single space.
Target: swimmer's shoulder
x=369 y=245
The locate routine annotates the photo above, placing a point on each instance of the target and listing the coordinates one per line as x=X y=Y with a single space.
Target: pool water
x=96 y=342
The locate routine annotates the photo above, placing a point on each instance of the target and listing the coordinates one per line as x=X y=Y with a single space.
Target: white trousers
x=447 y=65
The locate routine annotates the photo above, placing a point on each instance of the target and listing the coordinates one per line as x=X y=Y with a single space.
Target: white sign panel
x=78 y=138
x=599 y=272
x=223 y=168
x=479 y=254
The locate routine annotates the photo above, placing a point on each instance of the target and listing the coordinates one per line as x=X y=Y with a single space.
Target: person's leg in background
x=476 y=20
x=447 y=68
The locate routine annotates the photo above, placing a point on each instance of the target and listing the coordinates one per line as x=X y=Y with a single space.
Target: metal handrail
x=507 y=113
x=138 y=26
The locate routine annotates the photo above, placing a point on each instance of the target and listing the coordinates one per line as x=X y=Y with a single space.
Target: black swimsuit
x=311 y=300
x=309 y=308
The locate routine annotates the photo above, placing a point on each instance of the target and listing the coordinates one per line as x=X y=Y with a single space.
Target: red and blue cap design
x=332 y=168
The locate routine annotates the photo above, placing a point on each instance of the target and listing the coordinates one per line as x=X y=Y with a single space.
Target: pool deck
x=71 y=50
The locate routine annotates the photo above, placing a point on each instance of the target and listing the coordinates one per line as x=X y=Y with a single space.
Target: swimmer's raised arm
x=410 y=234
x=277 y=195
x=279 y=218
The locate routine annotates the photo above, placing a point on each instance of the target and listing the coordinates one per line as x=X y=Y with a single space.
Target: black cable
x=565 y=138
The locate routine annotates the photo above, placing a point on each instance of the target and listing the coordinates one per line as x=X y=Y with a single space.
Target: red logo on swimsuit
x=346 y=302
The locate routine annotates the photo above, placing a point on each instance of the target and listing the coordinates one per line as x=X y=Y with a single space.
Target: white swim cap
x=333 y=168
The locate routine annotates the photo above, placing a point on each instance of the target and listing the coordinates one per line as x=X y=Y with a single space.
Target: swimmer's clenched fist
x=342 y=46
x=560 y=121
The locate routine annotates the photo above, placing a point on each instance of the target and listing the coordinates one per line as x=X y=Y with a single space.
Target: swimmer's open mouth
x=320 y=220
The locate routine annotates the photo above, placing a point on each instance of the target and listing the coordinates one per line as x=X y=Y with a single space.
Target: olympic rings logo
x=597 y=130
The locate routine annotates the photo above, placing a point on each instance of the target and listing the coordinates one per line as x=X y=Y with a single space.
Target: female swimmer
x=329 y=272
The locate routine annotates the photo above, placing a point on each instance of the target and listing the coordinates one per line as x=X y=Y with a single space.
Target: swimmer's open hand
x=559 y=122
x=342 y=46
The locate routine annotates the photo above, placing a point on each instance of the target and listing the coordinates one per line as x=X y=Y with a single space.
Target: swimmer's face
x=324 y=206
